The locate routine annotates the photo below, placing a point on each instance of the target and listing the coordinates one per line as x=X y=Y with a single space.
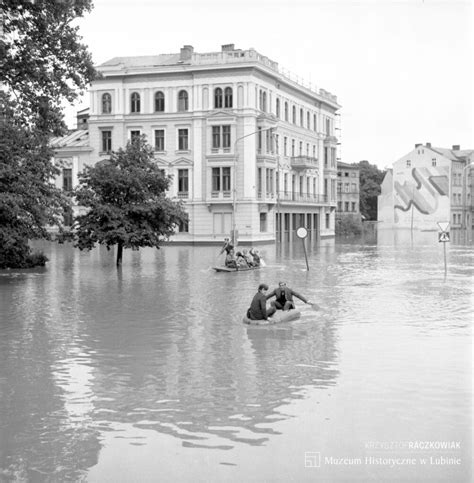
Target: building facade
x=348 y=191
x=429 y=185
x=250 y=151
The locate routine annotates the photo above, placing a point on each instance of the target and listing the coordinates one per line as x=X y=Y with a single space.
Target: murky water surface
x=148 y=374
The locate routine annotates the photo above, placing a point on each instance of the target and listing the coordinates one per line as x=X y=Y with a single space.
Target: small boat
x=278 y=317
x=229 y=269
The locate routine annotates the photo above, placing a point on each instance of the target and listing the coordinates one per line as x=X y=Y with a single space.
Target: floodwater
x=147 y=374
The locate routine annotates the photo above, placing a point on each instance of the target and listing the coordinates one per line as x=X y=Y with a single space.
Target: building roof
x=144 y=60
x=340 y=164
x=227 y=57
x=75 y=139
x=454 y=155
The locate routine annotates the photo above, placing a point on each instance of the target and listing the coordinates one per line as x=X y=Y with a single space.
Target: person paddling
x=284 y=297
x=258 y=308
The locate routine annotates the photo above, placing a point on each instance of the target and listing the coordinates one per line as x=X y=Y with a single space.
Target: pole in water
x=302 y=233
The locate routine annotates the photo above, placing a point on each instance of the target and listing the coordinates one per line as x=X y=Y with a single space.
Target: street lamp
x=234 y=197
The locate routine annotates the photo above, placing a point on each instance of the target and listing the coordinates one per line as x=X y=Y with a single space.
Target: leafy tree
x=126 y=202
x=42 y=65
x=370 y=187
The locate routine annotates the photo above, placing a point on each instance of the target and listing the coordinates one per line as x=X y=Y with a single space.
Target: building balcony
x=288 y=196
x=304 y=162
x=183 y=195
x=221 y=195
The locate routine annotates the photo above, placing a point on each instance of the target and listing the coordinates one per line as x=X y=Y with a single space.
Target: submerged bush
x=348 y=226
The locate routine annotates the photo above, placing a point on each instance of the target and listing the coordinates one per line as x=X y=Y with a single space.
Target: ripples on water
x=159 y=345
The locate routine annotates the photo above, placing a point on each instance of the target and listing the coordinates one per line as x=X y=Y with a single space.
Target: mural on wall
x=422 y=193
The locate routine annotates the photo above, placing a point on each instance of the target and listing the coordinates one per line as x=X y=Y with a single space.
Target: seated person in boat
x=284 y=297
x=258 y=308
x=248 y=258
x=241 y=262
x=256 y=257
x=230 y=260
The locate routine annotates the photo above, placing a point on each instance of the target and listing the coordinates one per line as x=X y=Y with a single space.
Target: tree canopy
x=43 y=64
x=371 y=178
x=126 y=202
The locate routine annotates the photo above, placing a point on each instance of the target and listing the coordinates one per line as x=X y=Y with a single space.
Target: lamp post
x=234 y=195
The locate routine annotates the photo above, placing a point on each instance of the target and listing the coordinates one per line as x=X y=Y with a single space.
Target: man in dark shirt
x=258 y=308
x=284 y=297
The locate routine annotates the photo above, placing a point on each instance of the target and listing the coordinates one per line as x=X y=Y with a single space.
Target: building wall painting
x=421 y=194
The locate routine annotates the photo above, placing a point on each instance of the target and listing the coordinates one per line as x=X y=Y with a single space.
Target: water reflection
x=159 y=344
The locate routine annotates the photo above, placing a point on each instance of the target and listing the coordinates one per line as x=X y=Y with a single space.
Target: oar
x=313 y=306
x=262 y=263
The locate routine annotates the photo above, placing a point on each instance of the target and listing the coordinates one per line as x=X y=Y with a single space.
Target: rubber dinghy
x=278 y=317
x=228 y=269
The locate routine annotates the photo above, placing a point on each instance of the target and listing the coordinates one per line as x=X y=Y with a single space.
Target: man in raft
x=284 y=297
x=258 y=308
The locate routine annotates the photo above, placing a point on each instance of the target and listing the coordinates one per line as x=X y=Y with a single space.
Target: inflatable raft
x=228 y=269
x=278 y=317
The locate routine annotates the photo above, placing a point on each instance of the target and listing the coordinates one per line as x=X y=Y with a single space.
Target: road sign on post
x=302 y=233
x=443 y=237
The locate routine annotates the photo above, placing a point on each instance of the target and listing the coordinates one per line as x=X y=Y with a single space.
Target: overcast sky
x=402 y=70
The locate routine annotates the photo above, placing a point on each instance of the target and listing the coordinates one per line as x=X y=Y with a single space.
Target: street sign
x=443 y=225
x=443 y=236
x=302 y=232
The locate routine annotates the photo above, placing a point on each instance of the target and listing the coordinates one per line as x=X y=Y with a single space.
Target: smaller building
x=348 y=192
x=429 y=185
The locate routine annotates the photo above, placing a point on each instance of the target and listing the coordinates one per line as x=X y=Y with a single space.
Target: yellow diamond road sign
x=443 y=236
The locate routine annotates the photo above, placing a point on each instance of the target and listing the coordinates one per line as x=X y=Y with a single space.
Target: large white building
x=429 y=185
x=248 y=147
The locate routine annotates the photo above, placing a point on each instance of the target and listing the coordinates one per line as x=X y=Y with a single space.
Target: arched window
x=106 y=103
x=159 y=102
x=278 y=108
x=294 y=115
x=217 y=98
x=135 y=102
x=228 y=97
x=182 y=101
x=286 y=111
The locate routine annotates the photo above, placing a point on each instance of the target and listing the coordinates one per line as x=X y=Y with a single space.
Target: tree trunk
x=119 y=254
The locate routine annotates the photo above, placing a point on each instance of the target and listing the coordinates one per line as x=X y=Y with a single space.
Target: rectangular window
x=182 y=139
x=263 y=222
x=293 y=147
x=285 y=146
x=353 y=187
x=353 y=206
x=259 y=139
x=226 y=136
x=259 y=181
x=216 y=137
x=106 y=141
x=433 y=162
x=134 y=135
x=285 y=182
x=183 y=181
x=339 y=206
x=326 y=154
x=328 y=221
x=67 y=179
x=183 y=227
x=314 y=151
x=301 y=148
x=225 y=179
x=408 y=163
x=159 y=139
x=346 y=206
x=216 y=179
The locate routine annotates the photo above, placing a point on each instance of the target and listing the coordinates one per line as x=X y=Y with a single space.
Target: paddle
x=313 y=306
x=262 y=263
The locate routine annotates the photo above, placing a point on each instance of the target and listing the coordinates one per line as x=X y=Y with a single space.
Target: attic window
x=408 y=163
x=433 y=162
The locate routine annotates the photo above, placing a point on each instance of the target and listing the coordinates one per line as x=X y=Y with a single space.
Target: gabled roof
x=78 y=138
x=454 y=155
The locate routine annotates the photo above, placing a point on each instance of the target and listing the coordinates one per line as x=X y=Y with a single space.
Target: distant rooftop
x=454 y=154
x=228 y=55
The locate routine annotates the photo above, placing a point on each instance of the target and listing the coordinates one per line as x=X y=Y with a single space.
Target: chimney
x=186 y=52
x=227 y=47
x=428 y=145
x=456 y=147
x=418 y=145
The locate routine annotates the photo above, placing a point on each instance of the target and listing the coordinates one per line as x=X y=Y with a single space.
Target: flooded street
x=147 y=373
